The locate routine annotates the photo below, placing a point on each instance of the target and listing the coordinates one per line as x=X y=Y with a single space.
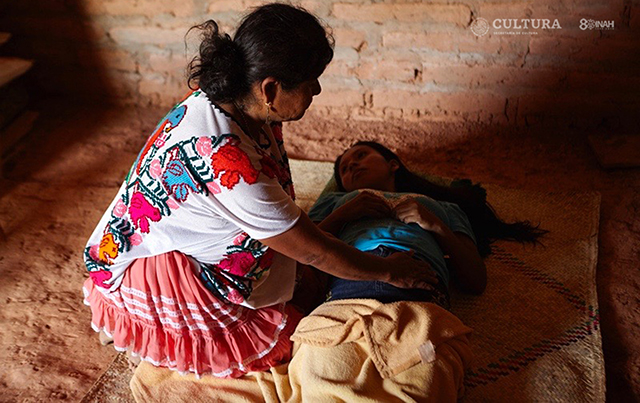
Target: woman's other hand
x=408 y=272
x=364 y=205
x=411 y=211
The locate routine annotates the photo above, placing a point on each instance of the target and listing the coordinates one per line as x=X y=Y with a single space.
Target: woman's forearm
x=307 y=244
x=464 y=260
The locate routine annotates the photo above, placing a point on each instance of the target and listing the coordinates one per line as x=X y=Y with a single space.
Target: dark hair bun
x=274 y=40
x=219 y=69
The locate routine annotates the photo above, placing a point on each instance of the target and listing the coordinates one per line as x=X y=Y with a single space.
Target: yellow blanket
x=348 y=350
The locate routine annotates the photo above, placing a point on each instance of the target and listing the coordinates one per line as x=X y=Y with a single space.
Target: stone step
x=12 y=68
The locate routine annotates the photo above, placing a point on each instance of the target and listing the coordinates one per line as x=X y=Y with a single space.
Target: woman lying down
x=383 y=208
x=354 y=348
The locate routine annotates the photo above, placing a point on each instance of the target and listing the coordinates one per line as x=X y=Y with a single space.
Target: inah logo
x=592 y=24
x=480 y=26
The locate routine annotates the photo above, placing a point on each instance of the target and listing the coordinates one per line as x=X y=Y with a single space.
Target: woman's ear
x=269 y=88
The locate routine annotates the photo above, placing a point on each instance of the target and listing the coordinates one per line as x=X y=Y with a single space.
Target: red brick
x=415 y=12
x=336 y=98
x=390 y=69
x=349 y=38
x=158 y=90
x=116 y=59
x=174 y=63
x=441 y=103
x=184 y=8
x=456 y=41
x=340 y=68
x=438 y=40
x=491 y=11
x=495 y=77
x=218 y=6
x=147 y=35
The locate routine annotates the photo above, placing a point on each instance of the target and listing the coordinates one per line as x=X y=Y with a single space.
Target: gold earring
x=269 y=105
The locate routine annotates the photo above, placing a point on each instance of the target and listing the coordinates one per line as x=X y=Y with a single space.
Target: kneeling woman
x=383 y=208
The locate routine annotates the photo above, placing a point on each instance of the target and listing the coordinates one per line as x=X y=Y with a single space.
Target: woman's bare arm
x=307 y=244
x=464 y=259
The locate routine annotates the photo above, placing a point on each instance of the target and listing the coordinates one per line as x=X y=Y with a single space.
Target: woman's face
x=292 y=104
x=362 y=167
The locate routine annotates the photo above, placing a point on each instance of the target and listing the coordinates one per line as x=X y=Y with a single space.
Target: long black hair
x=274 y=40
x=472 y=199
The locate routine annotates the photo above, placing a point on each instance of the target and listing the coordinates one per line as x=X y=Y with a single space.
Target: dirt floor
x=70 y=166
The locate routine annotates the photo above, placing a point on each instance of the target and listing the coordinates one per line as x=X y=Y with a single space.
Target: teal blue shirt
x=369 y=233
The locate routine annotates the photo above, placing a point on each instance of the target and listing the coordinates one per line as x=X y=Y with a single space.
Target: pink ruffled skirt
x=165 y=315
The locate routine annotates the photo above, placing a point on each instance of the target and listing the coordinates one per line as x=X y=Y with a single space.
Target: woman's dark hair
x=472 y=199
x=275 y=40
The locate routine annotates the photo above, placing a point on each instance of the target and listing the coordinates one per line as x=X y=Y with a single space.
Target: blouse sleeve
x=245 y=189
x=458 y=221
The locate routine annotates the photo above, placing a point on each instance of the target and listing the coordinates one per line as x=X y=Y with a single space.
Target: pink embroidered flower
x=213 y=187
x=99 y=277
x=266 y=260
x=204 y=146
x=235 y=297
x=141 y=212
x=173 y=205
x=155 y=169
x=135 y=239
x=238 y=264
x=120 y=209
x=240 y=238
x=94 y=252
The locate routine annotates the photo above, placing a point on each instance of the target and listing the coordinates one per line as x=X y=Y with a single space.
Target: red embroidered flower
x=240 y=238
x=235 y=164
x=266 y=260
x=235 y=297
x=99 y=277
x=238 y=264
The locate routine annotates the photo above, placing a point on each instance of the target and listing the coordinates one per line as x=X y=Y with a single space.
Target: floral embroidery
x=178 y=181
x=213 y=187
x=155 y=169
x=235 y=164
x=204 y=146
x=235 y=296
x=240 y=238
x=108 y=249
x=159 y=137
x=99 y=277
x=120 y=209
x=238 y=264
x=266 y=260
x=136 y=239
x=141 y=211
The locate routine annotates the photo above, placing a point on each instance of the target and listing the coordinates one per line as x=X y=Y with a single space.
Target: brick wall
x=408 y=60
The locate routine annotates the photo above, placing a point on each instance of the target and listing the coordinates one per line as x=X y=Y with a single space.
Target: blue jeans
x=384 y=292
